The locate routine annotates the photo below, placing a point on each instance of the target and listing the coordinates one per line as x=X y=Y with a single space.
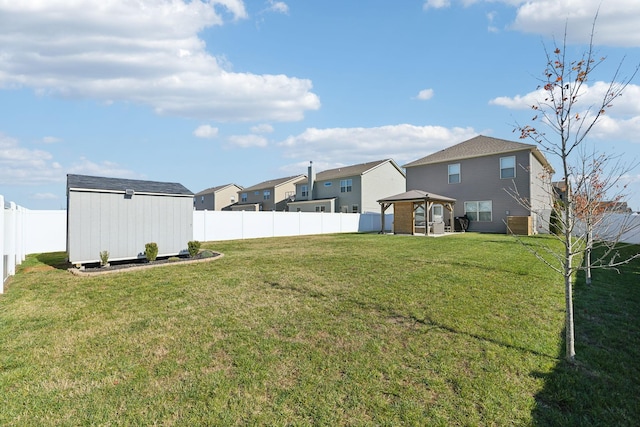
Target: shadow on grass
x=57 y=260
x=603 y=385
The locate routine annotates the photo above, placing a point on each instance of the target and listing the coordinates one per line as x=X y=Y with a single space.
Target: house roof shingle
x=216 y=189
x=353 y=170
x=417 y=195
x=86 y=182
x=478 y=146
x=276 y=182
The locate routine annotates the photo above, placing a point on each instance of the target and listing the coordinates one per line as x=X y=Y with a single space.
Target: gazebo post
x=427 y=210
x=383 y=209
x=452 y=226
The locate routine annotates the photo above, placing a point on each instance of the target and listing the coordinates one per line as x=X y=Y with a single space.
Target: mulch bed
x=141 y=264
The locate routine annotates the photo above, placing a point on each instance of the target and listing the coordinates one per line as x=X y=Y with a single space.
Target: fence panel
x=226 y=225
x=24 y=231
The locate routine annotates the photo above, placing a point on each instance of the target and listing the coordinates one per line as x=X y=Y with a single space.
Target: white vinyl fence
x=24 y=231
x=616 y=227
x=225 y=225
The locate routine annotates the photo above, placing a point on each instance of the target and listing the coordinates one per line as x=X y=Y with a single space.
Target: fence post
x=2 y=236
x=21 y=222
x=10 y=240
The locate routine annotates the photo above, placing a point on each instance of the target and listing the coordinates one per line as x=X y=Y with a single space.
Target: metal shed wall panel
x=101 y=221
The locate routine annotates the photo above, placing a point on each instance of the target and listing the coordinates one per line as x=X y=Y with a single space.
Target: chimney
x=312 y=181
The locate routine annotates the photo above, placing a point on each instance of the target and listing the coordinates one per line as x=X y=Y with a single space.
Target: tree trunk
x=569 y=333
x=587 y=257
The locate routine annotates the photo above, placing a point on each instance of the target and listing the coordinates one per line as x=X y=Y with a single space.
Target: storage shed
x=122 y=215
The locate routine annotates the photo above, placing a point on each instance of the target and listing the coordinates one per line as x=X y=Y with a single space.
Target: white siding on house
x=378 y=183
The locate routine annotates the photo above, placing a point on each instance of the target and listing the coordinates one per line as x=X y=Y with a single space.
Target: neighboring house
x=560 y=190
x=270 y=195
x=484 y=174
x=216 y=198
x=122 y=215
x=352 y=189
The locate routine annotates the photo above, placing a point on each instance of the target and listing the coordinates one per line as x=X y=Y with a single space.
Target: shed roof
x=416 y=195
x=85 y=182
x=479 y=146
x=354 y=170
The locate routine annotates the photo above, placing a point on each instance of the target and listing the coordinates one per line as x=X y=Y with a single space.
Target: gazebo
x=405 y=206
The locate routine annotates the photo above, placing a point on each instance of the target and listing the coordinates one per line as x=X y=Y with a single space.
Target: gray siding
x=205 y=202
x=479 y=181
x=216 y=200
x=101 y=221
x=541 y=188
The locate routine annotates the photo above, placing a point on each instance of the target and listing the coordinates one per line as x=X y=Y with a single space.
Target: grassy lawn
x=323 y=330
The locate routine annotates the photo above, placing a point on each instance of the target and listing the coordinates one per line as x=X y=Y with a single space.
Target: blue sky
x=207 y=93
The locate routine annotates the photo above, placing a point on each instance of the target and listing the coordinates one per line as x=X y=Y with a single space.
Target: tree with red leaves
x=559 y=110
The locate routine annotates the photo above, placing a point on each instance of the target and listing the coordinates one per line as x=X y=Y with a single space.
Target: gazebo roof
x=417 y=195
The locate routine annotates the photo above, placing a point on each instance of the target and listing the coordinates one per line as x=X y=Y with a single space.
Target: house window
x=418 y=216
x=327 y=184
x=320 y=209
x=454 y=173
x=345 y=185
x=507 y=167
x=257 y=193
x=354 y=208
x=344 y=209
x=478 y=211
x=436 y=213
x=305 y=190
x=266 y=195
x=201 y=199
x=243 y=197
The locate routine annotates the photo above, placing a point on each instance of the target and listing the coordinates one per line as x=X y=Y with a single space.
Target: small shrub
x=104 y=258
x=555 y=227
x=151 y=251
x=194 y=248
x=207 y=253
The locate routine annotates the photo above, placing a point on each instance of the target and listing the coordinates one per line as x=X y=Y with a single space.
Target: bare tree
x=559 y=110
x=598 y=195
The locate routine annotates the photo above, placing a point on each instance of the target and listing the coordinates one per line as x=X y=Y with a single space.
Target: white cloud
x=50 y=140
x=146 y=52
x=43 y=196
x=425 y=94
x=278 y=6
x=246 y=141
x=617 y=22
x=206 y=131
x=23 y=166
x=620 y=121
x=263 y=128
x=104 y=168
x=403 y=143
x=436 y=4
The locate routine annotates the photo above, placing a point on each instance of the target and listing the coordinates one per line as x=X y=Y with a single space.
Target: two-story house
x=272 y=195
x=349 y=189
x=491 y=180
x=216 y=198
